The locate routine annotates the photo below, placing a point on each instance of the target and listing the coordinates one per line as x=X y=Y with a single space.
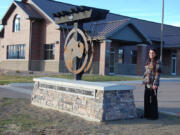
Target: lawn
x=19 y=117
x=6 y=79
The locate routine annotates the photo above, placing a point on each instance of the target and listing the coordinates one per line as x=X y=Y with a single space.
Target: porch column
x=141 y=58
x=104 y=57
x=178 y=62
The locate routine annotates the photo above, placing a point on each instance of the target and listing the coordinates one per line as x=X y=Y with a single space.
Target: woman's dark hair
x=156 y=60
x=156 y=57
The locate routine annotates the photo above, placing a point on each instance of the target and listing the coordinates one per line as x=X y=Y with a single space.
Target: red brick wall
x=166 y=64
x=43 y=32
x=96 y=57
x=37 y=49
x=141 y=59
x=12 y=38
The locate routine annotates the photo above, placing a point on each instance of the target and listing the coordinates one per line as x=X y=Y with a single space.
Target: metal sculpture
x=78 y=48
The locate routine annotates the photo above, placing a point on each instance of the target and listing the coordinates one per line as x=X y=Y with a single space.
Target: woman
x=151 y=82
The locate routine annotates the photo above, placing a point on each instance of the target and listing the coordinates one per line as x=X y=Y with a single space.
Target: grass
x=18 y=116
x=14 y=119
x=7 y=79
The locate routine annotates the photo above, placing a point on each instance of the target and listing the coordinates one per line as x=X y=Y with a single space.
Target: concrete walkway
x=16 y=90
x=168 y=93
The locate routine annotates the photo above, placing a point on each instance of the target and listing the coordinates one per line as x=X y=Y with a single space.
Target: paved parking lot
x=168 y=95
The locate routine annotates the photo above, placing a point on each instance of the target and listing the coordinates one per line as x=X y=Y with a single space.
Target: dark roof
x=105 y=29
x=32 y=12
x=2 y=32
x=9 y=11
x=172 y=41
x=151 y=29
x=50 y=6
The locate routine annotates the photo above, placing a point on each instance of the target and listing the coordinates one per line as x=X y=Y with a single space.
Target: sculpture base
x=90 y=100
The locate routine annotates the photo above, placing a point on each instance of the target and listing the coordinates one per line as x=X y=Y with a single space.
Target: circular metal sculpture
x=78 y=53
x=78 y=48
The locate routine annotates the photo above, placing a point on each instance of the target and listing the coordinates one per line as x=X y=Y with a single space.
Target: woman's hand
x=155 y=87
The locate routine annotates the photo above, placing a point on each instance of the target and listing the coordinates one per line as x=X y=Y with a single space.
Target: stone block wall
x=94 y=105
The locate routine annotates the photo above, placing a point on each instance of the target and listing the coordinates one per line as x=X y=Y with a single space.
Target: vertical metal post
x=76 y=61
x=162 y=31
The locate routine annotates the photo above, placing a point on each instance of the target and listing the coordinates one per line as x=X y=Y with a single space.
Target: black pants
x=150 y=104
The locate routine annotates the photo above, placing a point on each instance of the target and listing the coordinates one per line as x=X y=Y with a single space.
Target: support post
x=141 y=58
x=104 y=57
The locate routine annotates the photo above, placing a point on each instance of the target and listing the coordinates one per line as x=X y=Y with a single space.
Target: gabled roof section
x=123 y=30
x=151 y=29
x=29 y=10
x=49 y=7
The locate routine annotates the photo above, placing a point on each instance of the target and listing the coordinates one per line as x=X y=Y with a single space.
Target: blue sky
x=143 y=9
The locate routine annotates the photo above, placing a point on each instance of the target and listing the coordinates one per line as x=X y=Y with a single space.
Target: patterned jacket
x=151 y=77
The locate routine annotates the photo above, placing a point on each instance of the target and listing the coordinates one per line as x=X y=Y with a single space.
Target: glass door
x=173 y=65
x=112 y=60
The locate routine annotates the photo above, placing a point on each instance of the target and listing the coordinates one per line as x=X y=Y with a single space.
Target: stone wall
x=87 y=102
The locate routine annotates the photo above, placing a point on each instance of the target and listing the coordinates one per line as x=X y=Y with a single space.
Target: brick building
x=30 y=40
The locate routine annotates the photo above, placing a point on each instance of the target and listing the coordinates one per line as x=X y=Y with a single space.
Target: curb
x=165 y=112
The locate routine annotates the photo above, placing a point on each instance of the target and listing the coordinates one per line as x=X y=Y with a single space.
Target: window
x=16 y=23
x=134 y=57
x=16 y=51
x=121 y=56
x=49 y=51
